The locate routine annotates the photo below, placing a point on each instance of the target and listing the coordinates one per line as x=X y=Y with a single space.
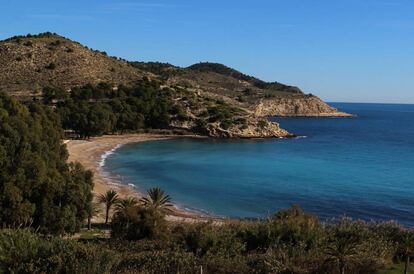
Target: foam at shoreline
x=108 y=153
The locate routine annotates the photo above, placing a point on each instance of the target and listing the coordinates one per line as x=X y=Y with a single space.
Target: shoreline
x=92 y=154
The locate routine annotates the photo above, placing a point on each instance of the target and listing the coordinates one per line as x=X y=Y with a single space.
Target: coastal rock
x=254 y=129
x=299 y=106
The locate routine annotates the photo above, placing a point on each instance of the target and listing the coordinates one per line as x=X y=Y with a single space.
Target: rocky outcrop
x=260 y=129
x=297 y=106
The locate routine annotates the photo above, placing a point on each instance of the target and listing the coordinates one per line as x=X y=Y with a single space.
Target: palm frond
x=157 y=199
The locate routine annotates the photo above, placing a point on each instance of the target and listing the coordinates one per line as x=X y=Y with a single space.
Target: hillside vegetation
x=260 y=97
x=30 y=63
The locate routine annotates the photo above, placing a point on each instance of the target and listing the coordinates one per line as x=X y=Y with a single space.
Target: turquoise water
x=359 y=167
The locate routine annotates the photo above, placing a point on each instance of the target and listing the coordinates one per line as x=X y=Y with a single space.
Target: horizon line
x=378 y=103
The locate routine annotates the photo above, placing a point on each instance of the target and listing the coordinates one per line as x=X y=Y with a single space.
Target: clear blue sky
x=341 y=50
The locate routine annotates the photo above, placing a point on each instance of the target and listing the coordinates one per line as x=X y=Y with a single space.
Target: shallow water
x=359 y=167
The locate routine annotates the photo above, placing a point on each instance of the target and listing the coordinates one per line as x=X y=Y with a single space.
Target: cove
x=358 y=167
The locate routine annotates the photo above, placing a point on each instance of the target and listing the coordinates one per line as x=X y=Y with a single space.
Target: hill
x=29 y=63
x=205 y=98
x=260 y=97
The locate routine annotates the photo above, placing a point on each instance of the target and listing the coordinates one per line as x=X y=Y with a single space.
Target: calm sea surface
x=359 y=167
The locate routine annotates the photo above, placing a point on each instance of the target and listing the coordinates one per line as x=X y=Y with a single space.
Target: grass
x=397 y=269
x=93 y=234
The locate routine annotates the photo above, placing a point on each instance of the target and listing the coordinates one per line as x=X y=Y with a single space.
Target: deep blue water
x=359 y=167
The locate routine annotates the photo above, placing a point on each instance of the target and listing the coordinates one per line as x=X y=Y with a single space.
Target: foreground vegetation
x=37 y=185
x=142 y=241
x=45 y=202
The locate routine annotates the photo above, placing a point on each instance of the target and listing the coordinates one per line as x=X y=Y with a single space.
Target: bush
x=200 y=126
x=262 y=123
x=53 y=93
x=159 y=262
x=51 y=66
x=22 y=251
x=180 y=112
x=226 y=124
x=139 y=223
x=218 y=264
x=204 y=239
x=56 y=43
x=290 y=241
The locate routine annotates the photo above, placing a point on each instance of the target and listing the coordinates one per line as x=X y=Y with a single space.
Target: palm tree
x=93 y=209
x=342 y=250
x=122 y=206
x=157 y=199
x=406 y=247
x=110 y=198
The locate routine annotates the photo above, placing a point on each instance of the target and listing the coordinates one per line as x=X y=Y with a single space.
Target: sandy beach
x=90 y=154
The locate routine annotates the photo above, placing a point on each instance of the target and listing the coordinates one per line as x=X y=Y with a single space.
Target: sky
x=340 y=50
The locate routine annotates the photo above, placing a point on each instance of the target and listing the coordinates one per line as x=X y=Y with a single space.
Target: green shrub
x=56 y=43
x=22 y=251
x=139 y=223
x=51 y=66
x=180 y=112
x=226 y=124
x=53 y=93
x=262 y=123
x=203 y=239
x=158 y=262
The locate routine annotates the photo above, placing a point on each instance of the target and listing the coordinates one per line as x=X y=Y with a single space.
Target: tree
x=37 y=185
x=406 y=247
x=93 y=210
x=53 y=93
x=157 y=199
x=124 y=204
x=342 y=249
x=109 y=199
x=100 y=120
x=96 y=110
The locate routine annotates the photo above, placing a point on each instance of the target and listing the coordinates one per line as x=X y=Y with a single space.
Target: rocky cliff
x=297 y=106
x=252 y=130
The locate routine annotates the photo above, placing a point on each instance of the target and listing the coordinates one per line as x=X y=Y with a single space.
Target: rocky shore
x=299 y=106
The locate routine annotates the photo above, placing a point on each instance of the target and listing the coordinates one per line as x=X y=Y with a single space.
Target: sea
x=361 y=167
